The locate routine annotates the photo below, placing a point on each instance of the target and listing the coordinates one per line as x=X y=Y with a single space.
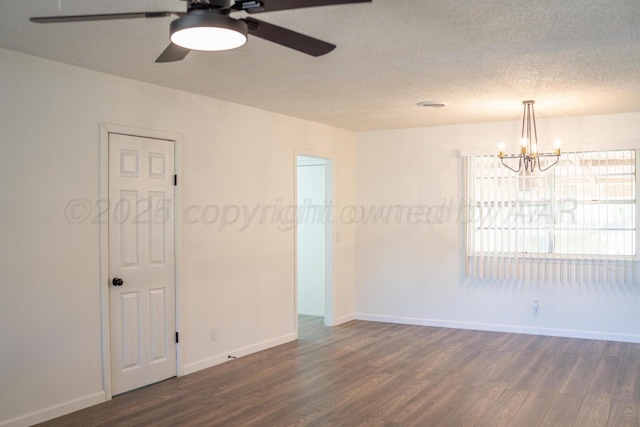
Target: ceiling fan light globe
x=208 y=31
x=208 y=38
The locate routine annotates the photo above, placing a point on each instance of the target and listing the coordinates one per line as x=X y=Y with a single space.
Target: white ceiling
x=481 y=57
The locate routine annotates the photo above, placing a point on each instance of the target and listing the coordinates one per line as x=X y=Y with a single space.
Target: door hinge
x=177 y=338
x=175 y=179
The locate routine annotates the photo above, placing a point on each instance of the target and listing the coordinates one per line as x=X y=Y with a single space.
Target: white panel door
x=141 y=261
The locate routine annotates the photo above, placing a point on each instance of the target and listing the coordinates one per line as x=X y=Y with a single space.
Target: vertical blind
x=574 y=223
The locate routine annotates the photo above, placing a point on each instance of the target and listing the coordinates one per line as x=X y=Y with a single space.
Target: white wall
x=415 y=273
x=241 y=280
x=238 y=278
x=311 y=236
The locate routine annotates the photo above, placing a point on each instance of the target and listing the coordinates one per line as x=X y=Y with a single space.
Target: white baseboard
x=94 y=399
x=221 y=358
x=55 y=411
x=567 y=333
x=345 y=319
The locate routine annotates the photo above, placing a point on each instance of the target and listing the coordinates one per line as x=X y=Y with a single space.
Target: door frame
x=105 y=130
x=330 y=240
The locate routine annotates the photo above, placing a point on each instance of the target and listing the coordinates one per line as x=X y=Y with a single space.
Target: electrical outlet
x=536 y=307
x=214 y=334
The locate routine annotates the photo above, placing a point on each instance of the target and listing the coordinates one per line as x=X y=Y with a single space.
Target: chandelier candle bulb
x=557 y=144
x=501 y=147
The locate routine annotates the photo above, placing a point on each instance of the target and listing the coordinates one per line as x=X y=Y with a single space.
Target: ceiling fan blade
x=102 y=17
x=288 y=38
x=253 y=6
x=173 y=53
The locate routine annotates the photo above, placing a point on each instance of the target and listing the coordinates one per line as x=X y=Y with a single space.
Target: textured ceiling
x=481 y=57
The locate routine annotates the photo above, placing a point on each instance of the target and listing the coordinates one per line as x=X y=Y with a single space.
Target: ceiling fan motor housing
x=209 y=4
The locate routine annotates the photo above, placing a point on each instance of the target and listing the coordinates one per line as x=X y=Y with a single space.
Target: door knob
x=117 y=281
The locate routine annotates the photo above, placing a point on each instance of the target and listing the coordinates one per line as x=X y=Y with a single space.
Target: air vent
x=431 y=104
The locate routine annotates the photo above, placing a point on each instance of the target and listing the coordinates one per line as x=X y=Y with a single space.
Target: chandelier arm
x=509 y=167
x=524 y=114
x=529 y=164
x=529 y=107
x=550 y=166
x=535 y=127
x=527 y=120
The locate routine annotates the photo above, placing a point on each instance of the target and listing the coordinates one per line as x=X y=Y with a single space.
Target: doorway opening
x=314 y=238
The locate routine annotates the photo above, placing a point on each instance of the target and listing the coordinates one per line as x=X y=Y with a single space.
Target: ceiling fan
x=207 y=25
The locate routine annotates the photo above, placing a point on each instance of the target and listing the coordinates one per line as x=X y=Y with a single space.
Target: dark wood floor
x=366 y=373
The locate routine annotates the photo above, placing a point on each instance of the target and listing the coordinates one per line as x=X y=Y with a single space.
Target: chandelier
x=529 y=157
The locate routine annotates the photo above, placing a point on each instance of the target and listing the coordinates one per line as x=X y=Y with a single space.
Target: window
x=581 y=211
